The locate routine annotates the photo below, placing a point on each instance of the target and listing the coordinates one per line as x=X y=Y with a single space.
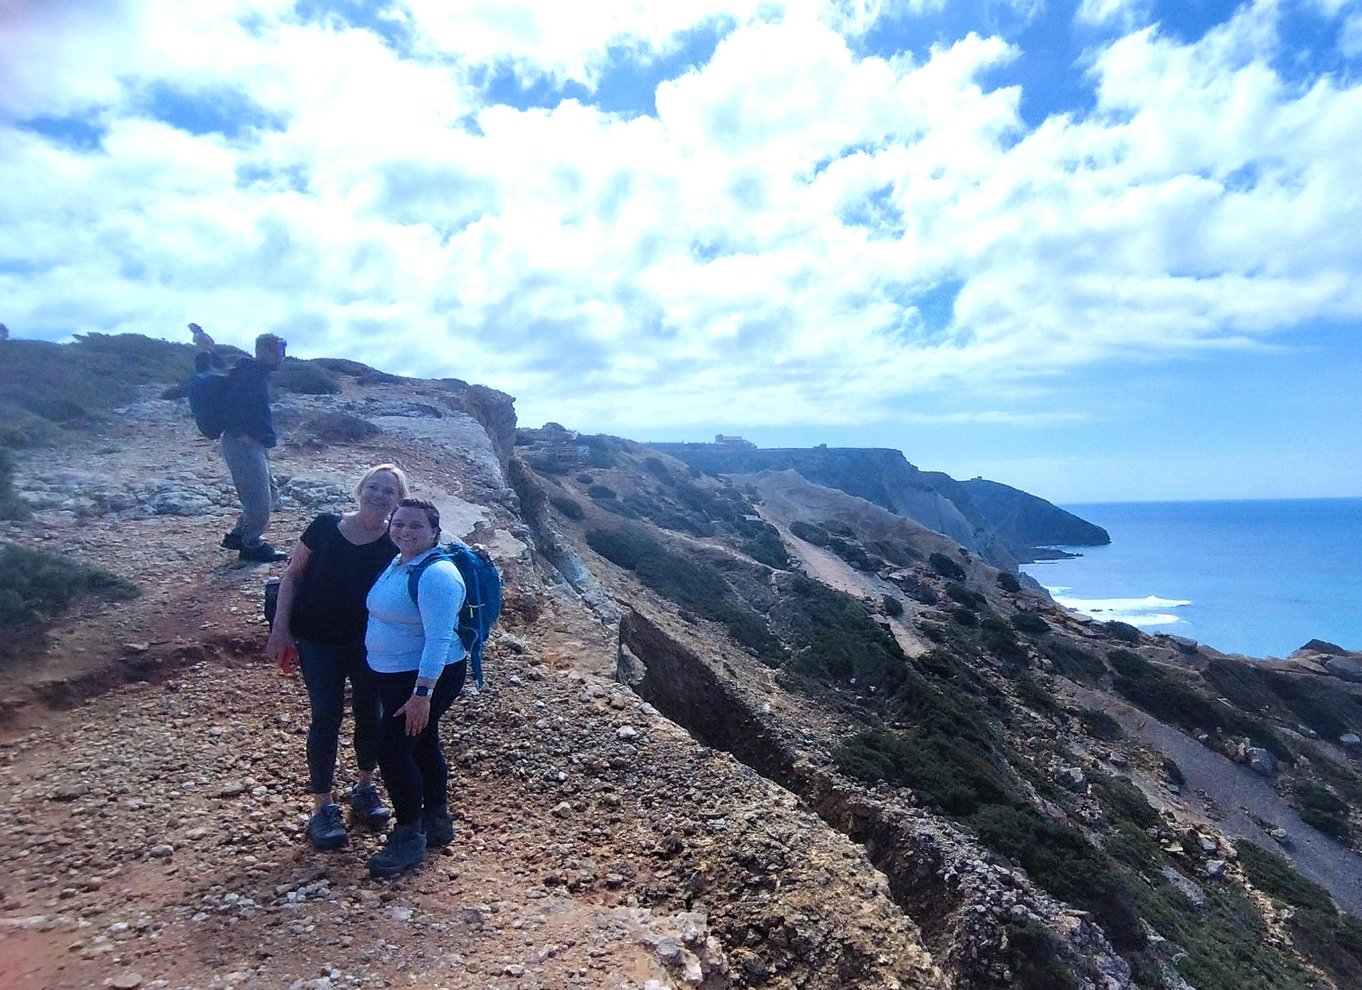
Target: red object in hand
x=289 y=663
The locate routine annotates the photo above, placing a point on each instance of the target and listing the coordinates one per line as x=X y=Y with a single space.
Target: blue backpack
x=482 y=598
x=210 y=400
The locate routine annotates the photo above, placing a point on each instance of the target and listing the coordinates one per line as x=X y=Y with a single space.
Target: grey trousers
x=249 y=462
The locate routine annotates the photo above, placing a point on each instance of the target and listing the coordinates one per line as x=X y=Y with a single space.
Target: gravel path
x=1242 y=795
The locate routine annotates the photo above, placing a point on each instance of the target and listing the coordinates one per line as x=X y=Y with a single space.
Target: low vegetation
x=37 y=587
x=1331 y=938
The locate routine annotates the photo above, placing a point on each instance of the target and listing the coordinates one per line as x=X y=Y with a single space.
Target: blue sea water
x=1260 y=578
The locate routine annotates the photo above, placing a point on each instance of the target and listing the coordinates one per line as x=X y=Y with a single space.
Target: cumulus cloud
x=804 y=231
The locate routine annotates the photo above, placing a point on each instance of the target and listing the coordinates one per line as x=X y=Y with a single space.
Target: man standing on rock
x=246 y=442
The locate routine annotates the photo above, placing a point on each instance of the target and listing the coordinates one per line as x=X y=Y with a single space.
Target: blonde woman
x=322 y=614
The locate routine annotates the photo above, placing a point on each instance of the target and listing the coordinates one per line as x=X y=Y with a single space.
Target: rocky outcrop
x=878 y=475
x=1022 y=521
x=1001 y=524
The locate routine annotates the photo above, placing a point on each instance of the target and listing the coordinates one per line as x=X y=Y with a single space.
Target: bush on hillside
x=1321 y=808
x=1008 y=582
x=305 y=378
x=568 y=507
x=1123 y=631
x=1030 y=623
x=11 y=505
x=36 y=587
x=809 y=532
x=946 y=567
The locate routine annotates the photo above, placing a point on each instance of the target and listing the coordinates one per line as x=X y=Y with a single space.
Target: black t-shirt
x=328 y=606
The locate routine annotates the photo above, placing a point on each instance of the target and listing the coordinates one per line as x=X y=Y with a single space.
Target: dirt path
x=1241 y=796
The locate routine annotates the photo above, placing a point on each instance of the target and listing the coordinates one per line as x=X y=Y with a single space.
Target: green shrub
x=1030 y=623
x=601 y=492
x=338 y=427
x=1331 y=939
x=810 y=532
x=691 y=584
x=1000 y=642
x=952 y=774
x=1100 y=725
x=1172 y=771
x=1072 y=660
x=567 y=507
x=46 y=385
x=1008 y=582
x=763 y=543
x=946 y=567
x=1123 y=801
x=833 y=638
x=1034 y=957
x=11 y=505
x=891 y=606
x=1036 y=696
x=1169 y=700
x=585 y=479
x=1062 y=861
x=305 y=378
x=1277 y=878
x=1321 y=808
x=957 y=592
x=36 y=587
x=965 y=616
x=1316 y=704
x=1123 y=631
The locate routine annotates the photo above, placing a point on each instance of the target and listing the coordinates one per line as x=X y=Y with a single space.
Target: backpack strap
x=419 y=568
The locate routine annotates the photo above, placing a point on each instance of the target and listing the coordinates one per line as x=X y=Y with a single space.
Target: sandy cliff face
x=740 y=733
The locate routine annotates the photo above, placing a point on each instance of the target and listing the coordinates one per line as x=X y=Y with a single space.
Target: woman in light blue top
x=419 y=663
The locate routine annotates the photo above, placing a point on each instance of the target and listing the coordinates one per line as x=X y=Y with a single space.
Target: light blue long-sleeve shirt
x=400 y=637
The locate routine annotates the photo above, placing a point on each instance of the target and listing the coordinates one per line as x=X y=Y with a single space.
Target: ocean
x=1257 y=577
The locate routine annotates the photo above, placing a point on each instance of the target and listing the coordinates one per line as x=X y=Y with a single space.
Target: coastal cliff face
x=1004 y=525
x=1021 y=519
x=741 y=731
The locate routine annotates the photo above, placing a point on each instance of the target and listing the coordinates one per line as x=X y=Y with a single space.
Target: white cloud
x=1124 y=15
x=783 y=242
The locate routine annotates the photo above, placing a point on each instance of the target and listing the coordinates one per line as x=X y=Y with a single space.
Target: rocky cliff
x=1002 y=524
x=745 y=731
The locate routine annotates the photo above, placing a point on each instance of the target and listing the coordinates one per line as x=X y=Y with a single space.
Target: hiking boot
x=406 y=847
x=232 y=541
x=368 y=806
x=325 y=828
x=438 y=827
x=261 y=553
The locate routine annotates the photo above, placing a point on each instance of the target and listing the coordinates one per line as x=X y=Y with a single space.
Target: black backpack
x=210 y=400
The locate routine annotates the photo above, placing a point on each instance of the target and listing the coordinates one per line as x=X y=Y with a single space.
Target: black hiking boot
x=438 y=826
x=406 y=847
x=261 y=553
x=325 y=828
x=368 y=807
x=232 y=541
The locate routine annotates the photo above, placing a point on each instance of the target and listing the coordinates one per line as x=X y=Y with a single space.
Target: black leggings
x=325 y=670
x=414 y=767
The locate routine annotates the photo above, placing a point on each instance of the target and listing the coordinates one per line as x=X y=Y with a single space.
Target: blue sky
x=1101 y=250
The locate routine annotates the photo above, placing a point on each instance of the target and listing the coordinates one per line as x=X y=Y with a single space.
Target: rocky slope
x=740 y=732
x=1001 y=524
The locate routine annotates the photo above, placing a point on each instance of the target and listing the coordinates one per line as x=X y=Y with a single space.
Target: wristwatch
x=422 y=691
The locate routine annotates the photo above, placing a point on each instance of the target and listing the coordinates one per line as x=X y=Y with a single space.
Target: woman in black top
x=321 y=613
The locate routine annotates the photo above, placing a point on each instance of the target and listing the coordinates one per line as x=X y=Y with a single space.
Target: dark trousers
x=414 y=767
x=326 y=668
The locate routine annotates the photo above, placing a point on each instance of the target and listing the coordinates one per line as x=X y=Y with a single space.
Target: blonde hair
x=403 y=488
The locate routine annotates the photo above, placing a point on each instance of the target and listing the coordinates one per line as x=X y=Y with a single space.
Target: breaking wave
x=1140 y=612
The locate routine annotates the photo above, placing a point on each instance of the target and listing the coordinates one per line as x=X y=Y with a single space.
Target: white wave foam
x=1140 y=612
